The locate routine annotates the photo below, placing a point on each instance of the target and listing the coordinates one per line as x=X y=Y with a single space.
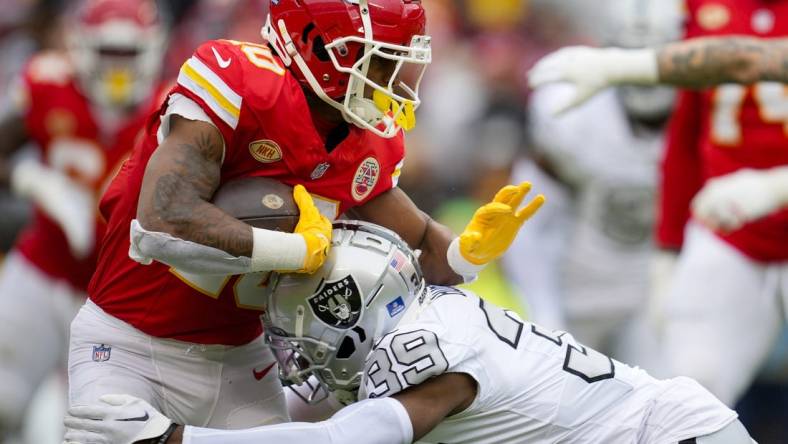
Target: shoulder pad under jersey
x=225 y=76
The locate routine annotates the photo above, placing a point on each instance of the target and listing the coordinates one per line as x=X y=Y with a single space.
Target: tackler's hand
x=591 y=70
x=314 y=228
x=495 y=225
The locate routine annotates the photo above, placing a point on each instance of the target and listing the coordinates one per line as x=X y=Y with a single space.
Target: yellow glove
x=495 y=225
x=314 y=228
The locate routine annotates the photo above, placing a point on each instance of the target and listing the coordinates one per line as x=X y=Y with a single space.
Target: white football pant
x=203 y=385
x=722 y=314
x=35 y=313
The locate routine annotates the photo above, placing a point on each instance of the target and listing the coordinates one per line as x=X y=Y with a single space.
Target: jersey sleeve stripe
x=397 y=173
x=198 y=78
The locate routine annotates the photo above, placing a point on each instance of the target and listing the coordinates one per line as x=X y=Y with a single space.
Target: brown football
x=260 y=202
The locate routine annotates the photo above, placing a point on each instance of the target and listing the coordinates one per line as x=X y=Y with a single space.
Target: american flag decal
x=398 y=261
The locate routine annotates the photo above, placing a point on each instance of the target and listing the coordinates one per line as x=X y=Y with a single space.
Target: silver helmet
x=324 y=324
x=640 y=24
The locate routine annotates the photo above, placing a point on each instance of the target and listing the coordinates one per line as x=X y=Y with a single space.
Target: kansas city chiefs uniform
x=724 y=278
x=263 y=115
x=78 y=140
x=534 y=385
x=723 y=129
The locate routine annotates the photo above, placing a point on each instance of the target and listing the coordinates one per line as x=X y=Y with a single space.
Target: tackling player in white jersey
x=435 y=364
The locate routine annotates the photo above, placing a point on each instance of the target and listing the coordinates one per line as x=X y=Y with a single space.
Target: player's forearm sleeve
x=271 y=250
x=373 y=421
x=190 y=257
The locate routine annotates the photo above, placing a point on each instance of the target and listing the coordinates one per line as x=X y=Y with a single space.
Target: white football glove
x=727 y=202
x=115 y=419
x=591 y=70
x=69 y=204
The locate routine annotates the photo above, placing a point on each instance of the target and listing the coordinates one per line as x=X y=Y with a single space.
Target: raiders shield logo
x=337 y=303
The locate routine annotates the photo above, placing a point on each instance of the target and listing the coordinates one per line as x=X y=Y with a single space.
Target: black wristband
x=166 y=436
x=160 y=439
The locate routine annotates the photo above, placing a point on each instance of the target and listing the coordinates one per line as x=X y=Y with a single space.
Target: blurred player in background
x=25 y=26
x=737 y=198
x=83 y=107
x=323 y=102
x=723 y=311
x=431 y=364
x=603 y=159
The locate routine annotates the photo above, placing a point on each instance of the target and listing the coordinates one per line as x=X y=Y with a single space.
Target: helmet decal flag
x=337 y=303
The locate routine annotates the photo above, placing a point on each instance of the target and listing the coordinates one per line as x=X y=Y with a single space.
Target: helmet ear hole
x=346 y=349
x=319 y=49
x=362 y=335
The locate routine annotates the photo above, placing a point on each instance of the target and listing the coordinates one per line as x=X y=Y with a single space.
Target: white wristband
x=274 y=250
x=638 y=66
x=459 y=264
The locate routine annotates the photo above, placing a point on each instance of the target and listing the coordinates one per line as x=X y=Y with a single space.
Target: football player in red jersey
x=83 y=107
x=724 y=180
x=322 y=104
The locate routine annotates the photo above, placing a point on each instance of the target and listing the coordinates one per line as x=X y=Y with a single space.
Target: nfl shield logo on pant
x=101 y=353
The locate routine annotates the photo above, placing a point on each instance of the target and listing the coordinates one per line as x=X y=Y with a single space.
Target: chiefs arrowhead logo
x=365 y=179
x=265 y=151
x=337 y=303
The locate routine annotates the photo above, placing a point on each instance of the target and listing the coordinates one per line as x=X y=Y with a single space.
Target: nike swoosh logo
x=261 y=374
x=222 y=62
x=139 y=418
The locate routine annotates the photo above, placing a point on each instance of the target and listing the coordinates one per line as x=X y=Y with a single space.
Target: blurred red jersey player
x=723 y=312
x=83 y=107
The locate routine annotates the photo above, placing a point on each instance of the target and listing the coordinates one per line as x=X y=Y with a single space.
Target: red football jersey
x=721 y=130
x=60 y=120
x=268 y=130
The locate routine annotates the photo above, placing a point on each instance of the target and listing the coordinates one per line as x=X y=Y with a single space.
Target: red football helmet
x=117 y=48
x=366 y=58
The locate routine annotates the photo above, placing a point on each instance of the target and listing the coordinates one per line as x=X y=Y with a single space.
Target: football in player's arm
x=429 y=362
x=176 y=221
x=317 y=106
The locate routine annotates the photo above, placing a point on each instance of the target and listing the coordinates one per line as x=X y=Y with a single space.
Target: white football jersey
x=534 y=385
x=611 y=169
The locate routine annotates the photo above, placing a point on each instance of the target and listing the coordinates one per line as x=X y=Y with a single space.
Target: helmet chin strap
x=356 y=102
x=299 y=323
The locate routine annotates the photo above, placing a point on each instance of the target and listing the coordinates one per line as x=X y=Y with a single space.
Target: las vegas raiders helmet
x=325 y=324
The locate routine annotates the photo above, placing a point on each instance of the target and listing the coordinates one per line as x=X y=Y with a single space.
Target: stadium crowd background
x=471 y=125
